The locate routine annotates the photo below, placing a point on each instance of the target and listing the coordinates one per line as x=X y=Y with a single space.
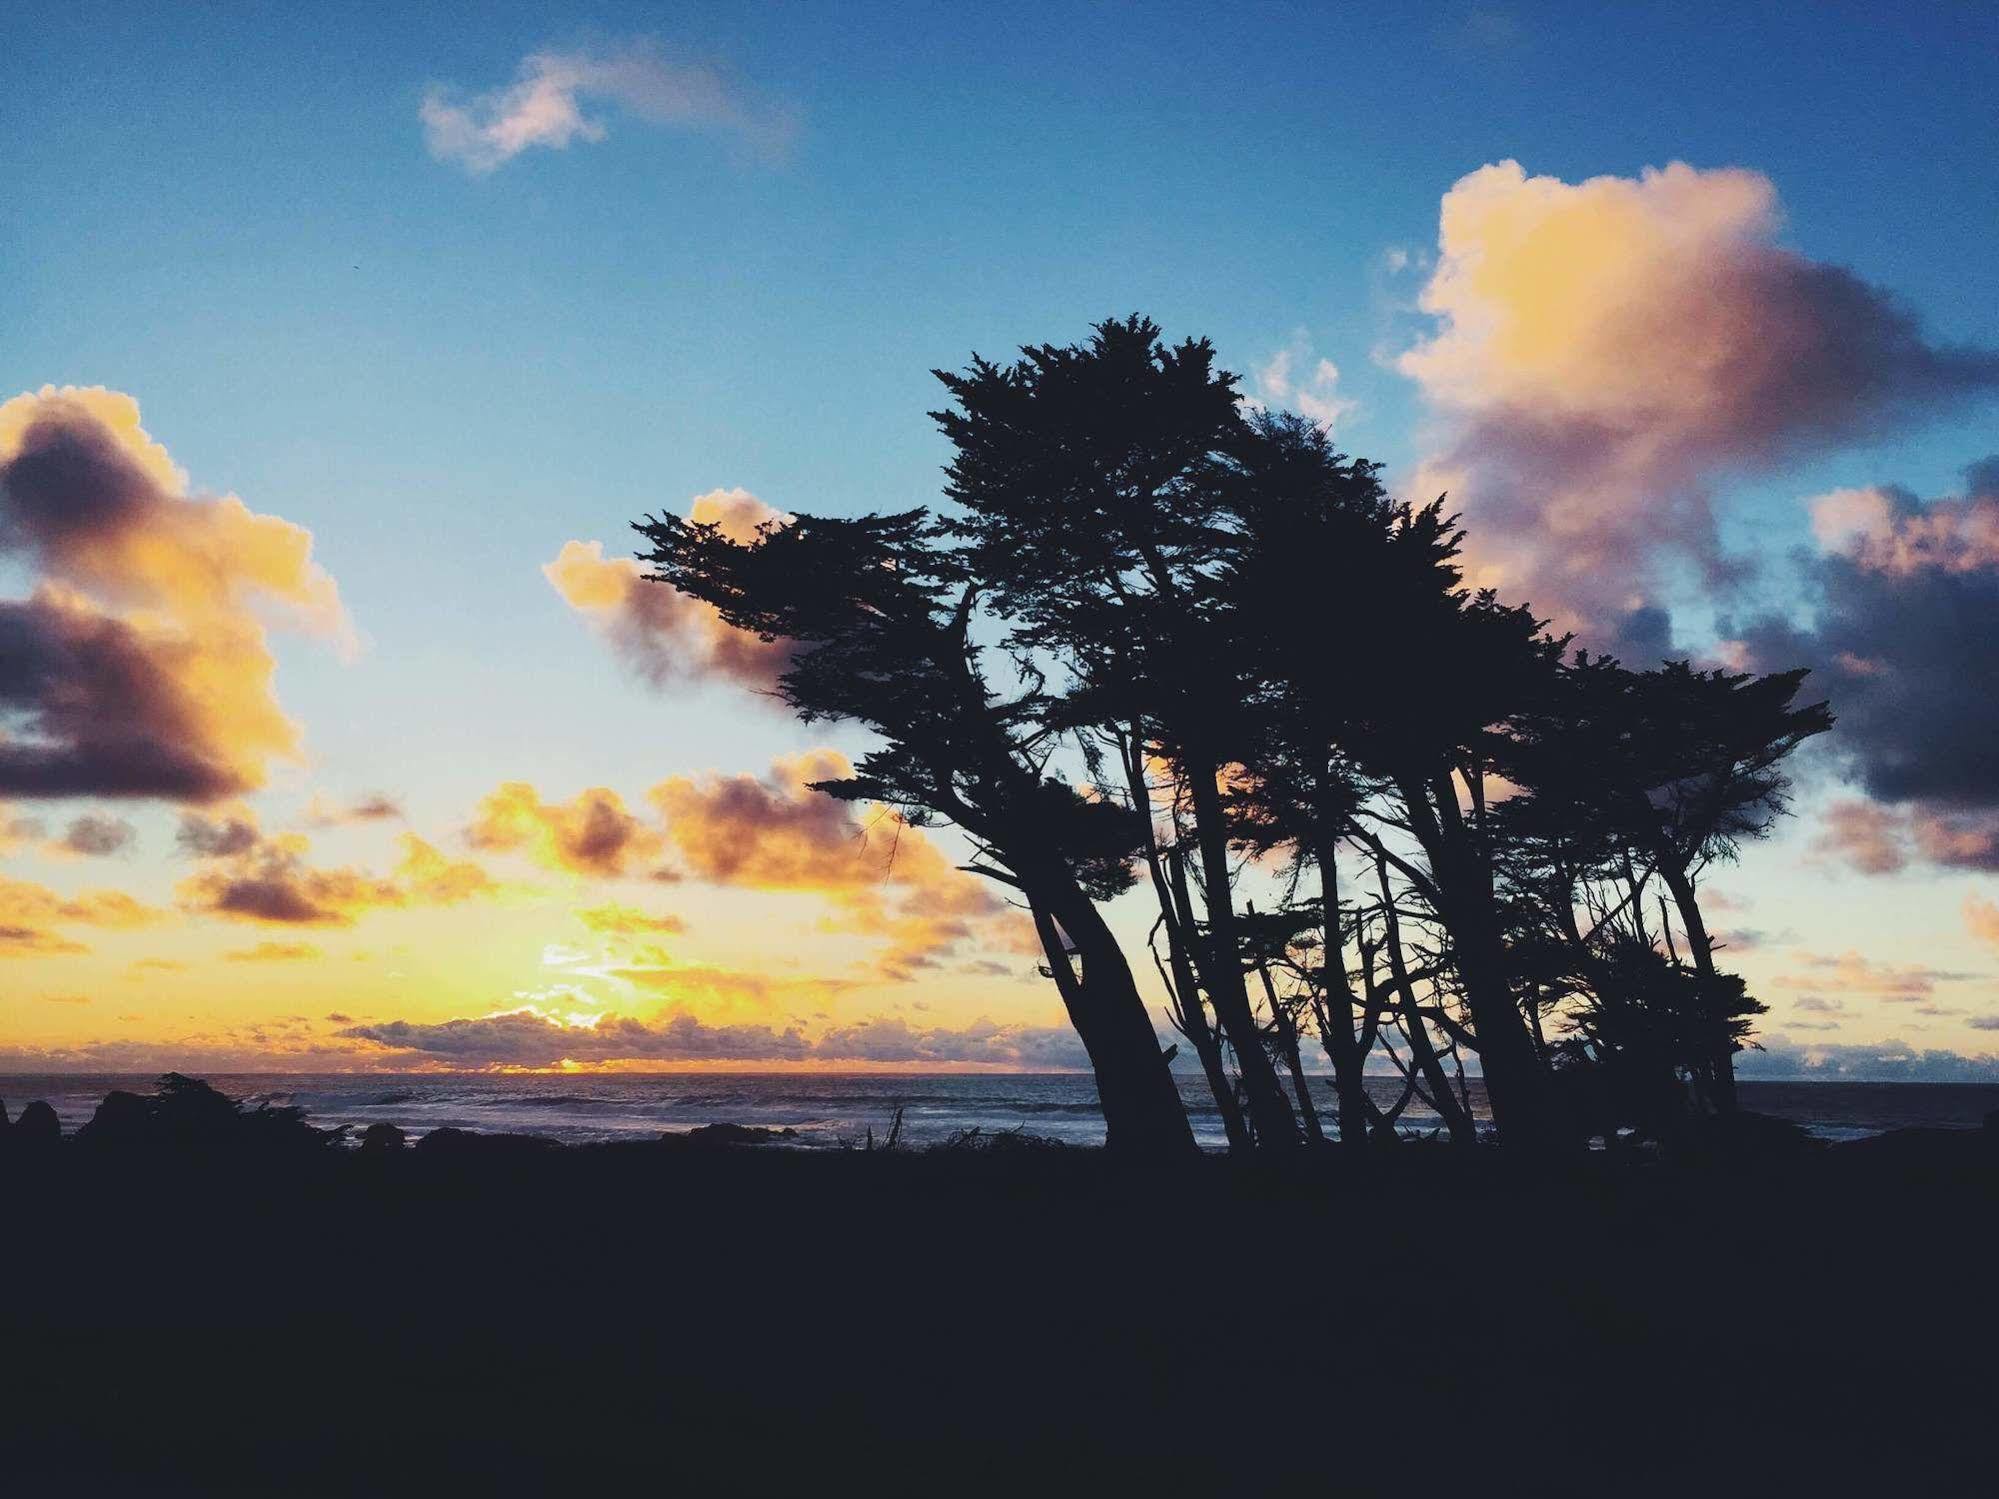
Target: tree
x=1089 y=483
x=882 y=616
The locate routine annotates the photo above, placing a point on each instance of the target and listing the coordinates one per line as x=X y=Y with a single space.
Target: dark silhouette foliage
x=1488 y=848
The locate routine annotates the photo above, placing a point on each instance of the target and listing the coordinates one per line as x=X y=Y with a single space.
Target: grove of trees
x=1157 y=635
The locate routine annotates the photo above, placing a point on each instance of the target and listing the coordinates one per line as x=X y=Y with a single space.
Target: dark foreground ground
x=644 y=1319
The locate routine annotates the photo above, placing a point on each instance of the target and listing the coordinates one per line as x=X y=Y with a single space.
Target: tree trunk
x=1209 y=1046
x=1423 y=1055
x=1287 y=1033
x=1349 y=1062
x=1143 y=1114
x=1721 y=1058
x=1269 y=1112
x=1176 y=914
x=1524 y=1107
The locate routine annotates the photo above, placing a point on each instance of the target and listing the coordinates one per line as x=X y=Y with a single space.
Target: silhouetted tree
x=1258 y=654
x=1089 y=479
x=883 y=615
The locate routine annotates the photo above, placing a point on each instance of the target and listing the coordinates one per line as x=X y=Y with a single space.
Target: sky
x=339 y=350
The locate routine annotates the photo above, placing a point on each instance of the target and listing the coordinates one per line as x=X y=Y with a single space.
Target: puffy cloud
x=590 y=834
x=1292 y=379
x=628 y=921
x=1905 y=634
x=1888 y=1061
x=94 y=836
x=528 y=1038
x=1608 y=347
x=663 y=634
x=885 y=878
x=270 y=881
x=31 y=913
x=525 y=1038
x=1871 y=838
x=139 y=665
x=895 y=1040
x=545 y=106
x=207 y=837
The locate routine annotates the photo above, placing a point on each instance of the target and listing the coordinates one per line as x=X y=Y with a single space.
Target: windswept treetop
x=1284 y=660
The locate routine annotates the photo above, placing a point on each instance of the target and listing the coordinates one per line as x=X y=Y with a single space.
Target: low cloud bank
x=525 y=1038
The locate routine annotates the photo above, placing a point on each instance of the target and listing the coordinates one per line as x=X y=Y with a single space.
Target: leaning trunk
x=1143 y=1114
x=1721 y=1056
x=1524 y=1107
x=1276 y=1126
x=1207 y=1045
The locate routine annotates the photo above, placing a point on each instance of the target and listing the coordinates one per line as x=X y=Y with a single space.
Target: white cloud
x=1292 y=379
x=549 y=104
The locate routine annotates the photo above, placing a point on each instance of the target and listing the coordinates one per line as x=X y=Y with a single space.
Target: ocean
x=837 y=1108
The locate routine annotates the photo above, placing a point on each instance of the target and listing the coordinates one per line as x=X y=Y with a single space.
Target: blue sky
x=230 y=213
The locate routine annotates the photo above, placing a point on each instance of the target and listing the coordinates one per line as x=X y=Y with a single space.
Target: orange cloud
x=663 y=634
x=273 y=952
x=885 y=878
x=1877 y=838
x=591 y=834
x=29 y=914
x=628 y=921
x=1606 y=347
x=1853 y=973
x=270 y=881
x=1982 y=917
x=139 y=664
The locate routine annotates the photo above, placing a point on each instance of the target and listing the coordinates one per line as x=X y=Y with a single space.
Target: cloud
x=1292 y=380
x=983 y=1041
x=1904 y=634
x=94 y=837
x=590 y=834
x=271 y=881
x=528 y=1038
x=1886 y=1061
x=1981 y=918
x=208 y=837
x=708 y=987
x=628 y=921
x=524 y=1038
x=1851 y=973
x=547 y=105
x=322 y=812
x=273 y=952
x=139 y=665
x=884 y=878
x=30 y=915
x=661 y=633
x=1607 y=348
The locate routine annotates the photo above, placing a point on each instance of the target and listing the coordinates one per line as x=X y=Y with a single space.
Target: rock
x=123 y=1119
x=1921 y=1146
x=380 y=1137
x=469 y=1144
x=3 y=1115
x=714 y=1136
x=37 y=1127
x=1748 y=1136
